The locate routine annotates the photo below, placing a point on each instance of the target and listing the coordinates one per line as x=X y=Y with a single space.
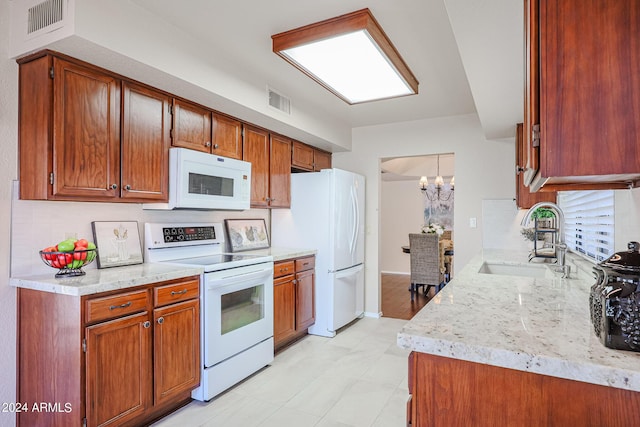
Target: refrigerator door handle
x=354 y=211
x=348 y=272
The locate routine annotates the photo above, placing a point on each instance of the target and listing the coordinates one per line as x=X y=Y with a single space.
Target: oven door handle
x=236 y=278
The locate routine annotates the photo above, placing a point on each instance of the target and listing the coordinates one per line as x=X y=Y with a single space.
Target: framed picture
x=118 y=243
x=247 y=234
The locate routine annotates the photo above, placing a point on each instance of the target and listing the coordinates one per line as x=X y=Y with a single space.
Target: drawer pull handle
x=305 y=264
x=182 y=292
x=125 y=305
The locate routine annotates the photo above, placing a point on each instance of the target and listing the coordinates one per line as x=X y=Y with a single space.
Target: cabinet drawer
x=175 y=292
x=307 y=263
x=116 y=305
x=283 y=268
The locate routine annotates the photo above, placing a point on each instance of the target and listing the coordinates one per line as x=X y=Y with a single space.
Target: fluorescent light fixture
x=350 y=56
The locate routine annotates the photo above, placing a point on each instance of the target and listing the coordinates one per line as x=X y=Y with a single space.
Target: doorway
x=404 y=209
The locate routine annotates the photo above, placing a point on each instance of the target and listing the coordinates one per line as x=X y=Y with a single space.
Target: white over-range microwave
x=200 y=180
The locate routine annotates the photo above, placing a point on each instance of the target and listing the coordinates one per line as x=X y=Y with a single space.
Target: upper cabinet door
x=302 y=156
x=227 y=137
x=255 y=149
x=321 y=160
x=191 y=126
x=280 y=172
x=86 y=132
x=145 y=143
x=525 y=198
x=530 y=133
x=587 y=91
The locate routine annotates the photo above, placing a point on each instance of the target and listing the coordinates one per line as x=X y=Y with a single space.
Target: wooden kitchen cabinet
x=284 y=309
x=227 y=137
x=69 y=131
x=279 y=172
x=117 y=358
x=525 y=198
x=191 y=126
x=85 y=135
x=321 y=160
x=118 y=370
x=293 y=299
x=582 y=74
x=307 y=158
x=146 y=126
x=452 y=392
x=270 y=158
x=201 y=129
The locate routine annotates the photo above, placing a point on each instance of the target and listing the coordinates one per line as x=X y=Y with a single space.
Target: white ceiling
x=429 y=34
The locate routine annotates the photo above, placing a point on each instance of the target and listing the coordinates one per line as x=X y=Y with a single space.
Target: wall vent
x=279 y=101
x=43 y=15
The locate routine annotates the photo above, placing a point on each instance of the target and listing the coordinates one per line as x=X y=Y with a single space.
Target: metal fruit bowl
x=69 y=264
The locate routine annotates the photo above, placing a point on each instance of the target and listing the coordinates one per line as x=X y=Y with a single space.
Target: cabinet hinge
x=84 y=422
x=51 y=72
x=171 y=133
x=171 y=109
x=535 y=135
x=51 y=178
x=84 y=345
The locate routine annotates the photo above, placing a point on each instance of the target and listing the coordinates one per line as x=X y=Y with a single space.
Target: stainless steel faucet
x=560 y=245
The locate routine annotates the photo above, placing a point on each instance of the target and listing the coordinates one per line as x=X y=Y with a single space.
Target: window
x=589 y=222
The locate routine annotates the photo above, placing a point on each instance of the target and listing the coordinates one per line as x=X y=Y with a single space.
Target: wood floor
x=396 y=298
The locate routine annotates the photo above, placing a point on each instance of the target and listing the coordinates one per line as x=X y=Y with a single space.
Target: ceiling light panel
x=349 y=55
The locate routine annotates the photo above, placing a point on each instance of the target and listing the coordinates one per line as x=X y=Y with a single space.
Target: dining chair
x=426 y=270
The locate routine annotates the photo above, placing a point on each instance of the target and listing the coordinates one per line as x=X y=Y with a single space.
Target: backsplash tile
x=38 y=224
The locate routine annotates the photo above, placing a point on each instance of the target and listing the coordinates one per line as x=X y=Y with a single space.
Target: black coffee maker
x=615 y=300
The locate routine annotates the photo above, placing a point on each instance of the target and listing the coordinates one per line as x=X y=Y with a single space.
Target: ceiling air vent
x=43 y=15
x=279 y=101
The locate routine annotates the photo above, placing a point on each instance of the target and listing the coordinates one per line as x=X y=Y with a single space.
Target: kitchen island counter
x=538 y=325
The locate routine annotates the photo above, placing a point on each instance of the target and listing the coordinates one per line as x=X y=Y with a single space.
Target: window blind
x=589 y=222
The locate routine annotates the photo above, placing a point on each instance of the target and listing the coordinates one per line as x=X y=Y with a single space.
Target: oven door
x=206 y=181
x=238 y=310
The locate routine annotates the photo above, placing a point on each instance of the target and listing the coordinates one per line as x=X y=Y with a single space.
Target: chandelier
x=439 y=193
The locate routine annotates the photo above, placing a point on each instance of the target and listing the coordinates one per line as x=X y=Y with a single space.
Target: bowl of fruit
x=69 y=256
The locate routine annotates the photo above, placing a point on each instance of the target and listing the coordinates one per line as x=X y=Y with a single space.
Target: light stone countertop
x=107 y=279
x=116 y=278
x=539 y=325
x=279 y=253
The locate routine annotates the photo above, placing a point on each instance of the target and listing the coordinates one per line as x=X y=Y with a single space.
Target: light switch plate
x=473 y=222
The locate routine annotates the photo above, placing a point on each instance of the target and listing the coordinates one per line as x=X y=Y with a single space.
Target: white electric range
x=236 y=301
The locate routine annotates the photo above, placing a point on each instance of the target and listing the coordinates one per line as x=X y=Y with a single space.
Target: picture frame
x=118 y=243
x=247 y=234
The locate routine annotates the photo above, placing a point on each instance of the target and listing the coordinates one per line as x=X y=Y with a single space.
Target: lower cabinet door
x=305 y=300
x=284 y=314
x=176 y=349
x=118 y=370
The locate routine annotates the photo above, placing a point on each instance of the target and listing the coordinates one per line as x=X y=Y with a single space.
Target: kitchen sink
x=525 y=270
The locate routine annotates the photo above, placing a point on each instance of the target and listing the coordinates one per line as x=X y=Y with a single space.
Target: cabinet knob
x=207 y=144
x=127 y=187
x=146 y=324
x=114 y=186
x=215 y=146
x=160 y=320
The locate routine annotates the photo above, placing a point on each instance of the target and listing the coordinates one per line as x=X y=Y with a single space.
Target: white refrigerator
x=327 y=214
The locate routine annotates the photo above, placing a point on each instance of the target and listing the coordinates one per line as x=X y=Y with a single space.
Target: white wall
x=484 y=170
x=401 y=213
x=8 y=172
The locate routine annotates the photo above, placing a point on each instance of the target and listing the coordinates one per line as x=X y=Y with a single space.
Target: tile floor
x=358 y=378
